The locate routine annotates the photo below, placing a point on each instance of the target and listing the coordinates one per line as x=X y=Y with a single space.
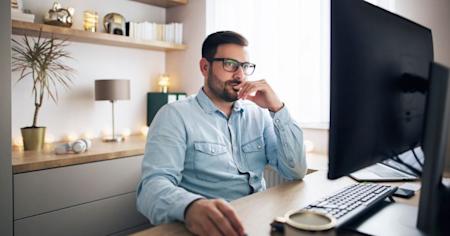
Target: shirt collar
x=208 y=106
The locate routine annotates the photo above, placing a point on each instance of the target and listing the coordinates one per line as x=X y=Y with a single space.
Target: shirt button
x=213 y=151
x=259 y=146
x=291 y=163
x=277 y=120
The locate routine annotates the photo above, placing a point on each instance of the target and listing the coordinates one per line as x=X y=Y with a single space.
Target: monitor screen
x=376 y=59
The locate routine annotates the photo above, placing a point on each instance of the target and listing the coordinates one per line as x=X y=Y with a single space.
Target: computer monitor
x=381 y=68
x=372 y=117
x=434 y=206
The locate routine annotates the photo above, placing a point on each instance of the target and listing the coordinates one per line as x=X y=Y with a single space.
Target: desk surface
x=275 y=202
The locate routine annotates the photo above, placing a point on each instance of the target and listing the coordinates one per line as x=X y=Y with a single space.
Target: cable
x=417 y=158
x=410 y=167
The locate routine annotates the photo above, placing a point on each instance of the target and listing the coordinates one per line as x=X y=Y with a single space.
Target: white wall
x=434 y=14
x=183 y=66
x=77 y=112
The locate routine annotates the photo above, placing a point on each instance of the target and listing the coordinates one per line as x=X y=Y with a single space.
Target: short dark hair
x=214 y=40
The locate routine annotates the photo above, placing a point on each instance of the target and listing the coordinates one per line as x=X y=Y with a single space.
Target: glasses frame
x=241 y=64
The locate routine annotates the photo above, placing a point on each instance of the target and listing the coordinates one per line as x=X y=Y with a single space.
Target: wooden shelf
x=76 y=35
x=164 y=3
x=25 y=161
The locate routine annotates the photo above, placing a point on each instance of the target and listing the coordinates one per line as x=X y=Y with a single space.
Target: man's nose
x=239 y=74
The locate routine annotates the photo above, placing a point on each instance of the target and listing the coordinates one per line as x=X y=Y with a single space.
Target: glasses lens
x=248 y=68
x=230 y=65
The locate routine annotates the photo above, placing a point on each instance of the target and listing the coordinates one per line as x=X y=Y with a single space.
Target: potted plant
x=40 y=60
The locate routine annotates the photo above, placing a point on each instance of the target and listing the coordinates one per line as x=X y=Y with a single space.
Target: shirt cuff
x=281 y=117
x=183 y=203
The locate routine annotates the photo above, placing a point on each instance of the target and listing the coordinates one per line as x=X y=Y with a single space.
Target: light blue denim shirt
x=195 y=151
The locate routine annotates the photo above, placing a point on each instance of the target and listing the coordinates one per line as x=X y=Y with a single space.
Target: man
x=215 y=145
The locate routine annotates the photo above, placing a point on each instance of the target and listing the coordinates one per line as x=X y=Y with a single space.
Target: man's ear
x=204 y=66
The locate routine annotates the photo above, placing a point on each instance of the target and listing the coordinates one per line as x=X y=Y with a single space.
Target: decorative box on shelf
x=155 y=100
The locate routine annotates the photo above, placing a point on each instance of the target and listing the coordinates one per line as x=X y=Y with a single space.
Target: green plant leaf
x=40 y=60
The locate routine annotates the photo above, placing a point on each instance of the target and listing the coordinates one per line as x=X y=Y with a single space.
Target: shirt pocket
x=211 y=161
x=255 y=155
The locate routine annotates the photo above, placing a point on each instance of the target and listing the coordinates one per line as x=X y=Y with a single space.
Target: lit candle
x=49 y=138
x=144 y=130
x=17 y=142
x=126 y=132
x=71 y=137
x=106 y=133
x=88 y=135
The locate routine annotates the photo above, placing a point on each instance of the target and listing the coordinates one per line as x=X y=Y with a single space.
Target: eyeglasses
x=232 y=65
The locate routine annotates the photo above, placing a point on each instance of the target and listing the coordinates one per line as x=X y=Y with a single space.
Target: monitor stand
x=387 y=218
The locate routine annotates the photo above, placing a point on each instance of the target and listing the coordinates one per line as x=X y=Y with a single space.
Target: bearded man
x=212 y=147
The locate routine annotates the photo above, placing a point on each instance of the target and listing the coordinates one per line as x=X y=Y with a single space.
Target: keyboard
x=352 y=201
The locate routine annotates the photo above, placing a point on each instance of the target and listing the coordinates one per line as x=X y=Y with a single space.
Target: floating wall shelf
x=76 y=35
x=164 y=3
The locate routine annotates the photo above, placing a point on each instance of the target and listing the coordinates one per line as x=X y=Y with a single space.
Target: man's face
x=221 y=82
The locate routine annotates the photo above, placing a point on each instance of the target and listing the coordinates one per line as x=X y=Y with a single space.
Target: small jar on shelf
x=90 y=21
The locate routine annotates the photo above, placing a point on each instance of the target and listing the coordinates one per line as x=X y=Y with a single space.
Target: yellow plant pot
x=33 y=138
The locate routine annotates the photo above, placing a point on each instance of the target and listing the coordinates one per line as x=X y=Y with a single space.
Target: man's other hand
x=213 y=217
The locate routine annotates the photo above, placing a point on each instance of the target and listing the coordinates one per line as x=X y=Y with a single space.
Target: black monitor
x=381 y=68
x=372 y=52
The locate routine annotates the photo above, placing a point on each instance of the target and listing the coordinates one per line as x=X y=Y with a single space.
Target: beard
x=223 y=90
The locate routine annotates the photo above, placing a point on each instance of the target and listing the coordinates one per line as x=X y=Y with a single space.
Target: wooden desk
x=258 y=210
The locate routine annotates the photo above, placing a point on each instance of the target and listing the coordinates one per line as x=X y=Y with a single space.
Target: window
x=289 y=43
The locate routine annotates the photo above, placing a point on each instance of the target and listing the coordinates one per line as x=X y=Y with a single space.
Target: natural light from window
x=289 y=43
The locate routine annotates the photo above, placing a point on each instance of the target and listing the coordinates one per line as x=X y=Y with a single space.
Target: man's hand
x=260 y=93
x=213 y=217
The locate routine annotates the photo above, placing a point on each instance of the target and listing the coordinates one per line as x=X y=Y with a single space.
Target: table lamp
x=112 y=90
x=164 y=83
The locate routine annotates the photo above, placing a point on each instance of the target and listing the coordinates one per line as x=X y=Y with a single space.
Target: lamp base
x=116 y=139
